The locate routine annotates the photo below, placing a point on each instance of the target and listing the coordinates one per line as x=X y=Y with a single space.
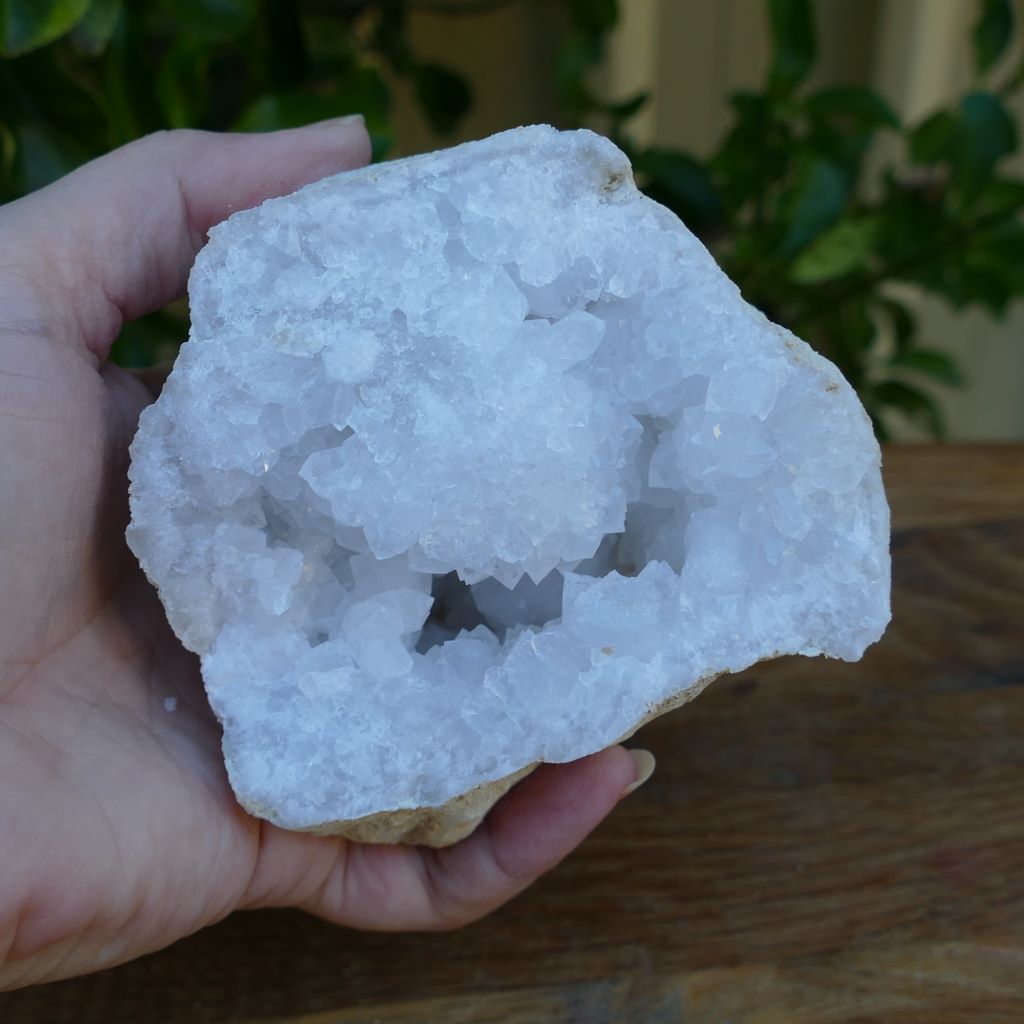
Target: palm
x=145 y=842
x=118 y=830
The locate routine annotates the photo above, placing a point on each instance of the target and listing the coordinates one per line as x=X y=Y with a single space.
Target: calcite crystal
x=477 y=460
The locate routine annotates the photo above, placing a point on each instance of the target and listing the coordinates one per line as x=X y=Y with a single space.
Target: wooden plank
x=820 y=842
x=934 y=983
x=946 y=485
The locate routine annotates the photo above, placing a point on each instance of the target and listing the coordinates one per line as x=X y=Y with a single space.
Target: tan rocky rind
x=456 y=818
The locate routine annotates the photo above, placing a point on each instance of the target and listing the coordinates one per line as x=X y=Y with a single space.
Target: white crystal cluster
x=475 y=458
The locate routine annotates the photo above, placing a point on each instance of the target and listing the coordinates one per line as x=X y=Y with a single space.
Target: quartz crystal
x=473 y=460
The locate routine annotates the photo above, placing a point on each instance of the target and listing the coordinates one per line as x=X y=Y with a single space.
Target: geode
x=476 y=460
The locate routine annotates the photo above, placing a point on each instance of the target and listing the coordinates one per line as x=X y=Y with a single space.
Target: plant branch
x=920 y=254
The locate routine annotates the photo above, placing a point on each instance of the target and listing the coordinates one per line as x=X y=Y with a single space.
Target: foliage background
x=816 y=234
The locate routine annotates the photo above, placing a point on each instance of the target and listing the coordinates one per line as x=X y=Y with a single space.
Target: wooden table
x=820 y=842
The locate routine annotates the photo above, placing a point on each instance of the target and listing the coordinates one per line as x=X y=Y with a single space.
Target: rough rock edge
x=459 y=816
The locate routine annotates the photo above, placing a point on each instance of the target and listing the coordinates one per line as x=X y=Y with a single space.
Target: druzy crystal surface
x=474 y=459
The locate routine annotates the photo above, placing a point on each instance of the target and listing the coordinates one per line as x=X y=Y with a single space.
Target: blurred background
x=854 y=166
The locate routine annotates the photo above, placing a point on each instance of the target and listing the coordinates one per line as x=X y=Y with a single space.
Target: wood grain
x=821 y=842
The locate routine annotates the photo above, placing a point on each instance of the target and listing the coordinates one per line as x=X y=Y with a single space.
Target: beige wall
x=923 y=62
x=508 y=56
x=691 y=54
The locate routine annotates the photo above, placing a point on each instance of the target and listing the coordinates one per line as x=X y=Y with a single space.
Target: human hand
x=118 y=830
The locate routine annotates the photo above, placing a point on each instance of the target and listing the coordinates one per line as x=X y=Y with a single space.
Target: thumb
x=527 y=833
x=115 y=239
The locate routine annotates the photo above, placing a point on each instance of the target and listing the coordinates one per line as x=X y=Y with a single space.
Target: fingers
x=526 y=834
x=115 y=239
x=539 y=823
x=153 y=378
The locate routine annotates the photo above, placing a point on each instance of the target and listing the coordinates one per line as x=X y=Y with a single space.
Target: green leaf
x=212 y=19
x=128 y=80
x=93 y=32
x=794 y=43
x=843 y=120
x=626 y=109
x=882 y=432
x=1002 y=194
x=990 y=271
x=444 y=96
x=56 y=123
x=934 y=139
x=941 y=366
x=284 y=43
x=859 y=106
x=757 y=151
x=902 y=321
x=8 y=149
x=1002 y=244
x=361 y=91
x=972 y=141
x=681 y=183
x=292 y=110
x=43 y=154
x=914 y=402
x=181 y=83
x=915 y=228
x=576 y=56
x=37 y=88
x=28 y=24
x=391 y=37
x=813 y=204
x=986 y=133
x=992 y=33
x=855 y=337
x=594 y=17
x=839 y=251
x=150 y=339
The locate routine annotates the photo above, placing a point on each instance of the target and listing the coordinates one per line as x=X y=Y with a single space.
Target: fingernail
x=643 y=763
x=333 y=123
